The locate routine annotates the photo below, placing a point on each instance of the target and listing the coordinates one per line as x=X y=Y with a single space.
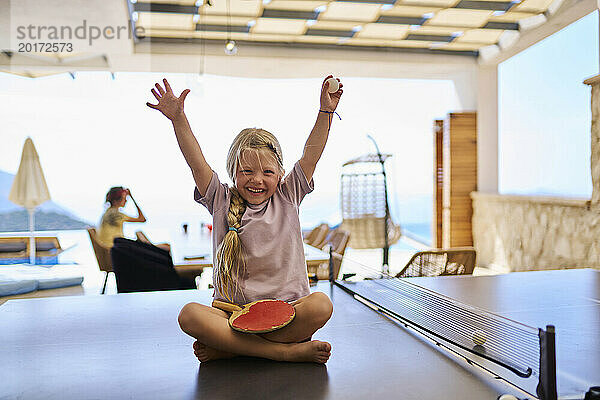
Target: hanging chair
x=365 y=208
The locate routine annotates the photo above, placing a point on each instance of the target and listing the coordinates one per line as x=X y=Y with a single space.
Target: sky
x=545 y=114
x=93 y=132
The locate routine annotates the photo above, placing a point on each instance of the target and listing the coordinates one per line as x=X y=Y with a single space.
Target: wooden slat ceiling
x=438 y=26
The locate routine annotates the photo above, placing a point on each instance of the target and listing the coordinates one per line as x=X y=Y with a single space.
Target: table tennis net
x=511 y=344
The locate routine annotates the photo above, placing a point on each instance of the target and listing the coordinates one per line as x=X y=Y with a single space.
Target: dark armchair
x=141 y=267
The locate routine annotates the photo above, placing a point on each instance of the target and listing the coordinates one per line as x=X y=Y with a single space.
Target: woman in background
x=111 y=224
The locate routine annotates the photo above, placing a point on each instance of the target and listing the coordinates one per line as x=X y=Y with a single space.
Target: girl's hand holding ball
x=331 y=91
x=334 y=85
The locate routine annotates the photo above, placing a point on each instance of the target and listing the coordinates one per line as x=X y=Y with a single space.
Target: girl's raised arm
x=172 y=108
x=315 y=144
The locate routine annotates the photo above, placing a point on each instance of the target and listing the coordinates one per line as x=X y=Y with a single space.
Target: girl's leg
x=211 y=328
x=312 y=312
x=205 y=353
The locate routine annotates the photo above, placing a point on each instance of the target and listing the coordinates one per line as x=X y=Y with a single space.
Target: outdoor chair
x=364 y=204
x=47 y=245
x=187 y=273
x=318 y=236
x=440 y=262
x=338 y=241
x=102 y=255
x=142 y=267
x=15 y=249
x=10 y=249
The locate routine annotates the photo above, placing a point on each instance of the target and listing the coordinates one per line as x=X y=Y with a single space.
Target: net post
x=331 y=264
x=546 y=389
x=386 y=256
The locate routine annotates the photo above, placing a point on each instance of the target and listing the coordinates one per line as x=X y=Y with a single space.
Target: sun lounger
x=15 y=250
x=18 y=279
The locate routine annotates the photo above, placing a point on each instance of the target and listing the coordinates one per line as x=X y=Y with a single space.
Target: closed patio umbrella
x=29 y=188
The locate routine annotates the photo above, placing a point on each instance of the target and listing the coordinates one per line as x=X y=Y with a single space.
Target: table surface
x=567 y=299
x=130 y=346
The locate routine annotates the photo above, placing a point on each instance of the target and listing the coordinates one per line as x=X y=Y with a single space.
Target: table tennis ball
x=334 y=85
x=507 y=397
x=479 y=337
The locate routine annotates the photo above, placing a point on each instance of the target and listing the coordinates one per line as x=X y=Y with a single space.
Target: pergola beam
x=568 y=12
x=287 y=62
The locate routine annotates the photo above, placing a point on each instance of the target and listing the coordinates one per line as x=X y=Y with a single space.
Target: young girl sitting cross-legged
x=257 y=239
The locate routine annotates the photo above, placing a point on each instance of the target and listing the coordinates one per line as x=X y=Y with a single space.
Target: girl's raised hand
x=168 y=104
x=329 y=101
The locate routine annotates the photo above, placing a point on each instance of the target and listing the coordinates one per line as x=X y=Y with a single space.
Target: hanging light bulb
x=230 y=47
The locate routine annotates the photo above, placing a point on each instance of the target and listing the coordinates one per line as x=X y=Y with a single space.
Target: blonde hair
x=230 y=255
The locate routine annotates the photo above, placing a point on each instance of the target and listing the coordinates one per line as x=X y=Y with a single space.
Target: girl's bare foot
x=313 y=351
x=205 y=353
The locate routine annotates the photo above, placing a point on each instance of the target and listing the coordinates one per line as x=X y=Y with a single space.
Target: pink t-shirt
x=271 y=238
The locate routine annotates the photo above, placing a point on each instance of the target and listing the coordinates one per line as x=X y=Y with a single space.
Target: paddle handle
x=221 y=305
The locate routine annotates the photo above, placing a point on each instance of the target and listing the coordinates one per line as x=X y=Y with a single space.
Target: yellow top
x=111 y=226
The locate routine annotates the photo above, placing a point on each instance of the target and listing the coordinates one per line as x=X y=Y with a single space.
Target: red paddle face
x=263 y=316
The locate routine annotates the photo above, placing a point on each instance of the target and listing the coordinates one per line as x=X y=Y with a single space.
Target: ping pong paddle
x=260 y=316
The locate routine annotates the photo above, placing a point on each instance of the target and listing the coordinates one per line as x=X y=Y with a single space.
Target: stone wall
x=523 y=233
x=520 y=233
x=595 y=145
